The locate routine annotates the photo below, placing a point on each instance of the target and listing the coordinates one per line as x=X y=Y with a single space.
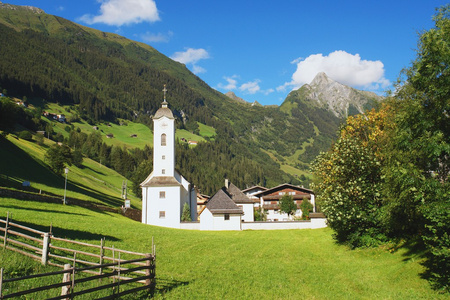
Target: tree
x=418 y=169
x=186 y=215
x=58 y=157
x=348 y=179
x=306 y=208
x=287 y=204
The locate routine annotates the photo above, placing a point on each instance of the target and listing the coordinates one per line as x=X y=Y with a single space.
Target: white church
x=165 y=191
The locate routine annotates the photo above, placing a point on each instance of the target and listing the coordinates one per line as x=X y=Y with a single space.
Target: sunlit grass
x=284 y=264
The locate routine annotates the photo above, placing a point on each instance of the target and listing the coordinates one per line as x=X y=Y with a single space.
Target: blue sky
x=261 y=50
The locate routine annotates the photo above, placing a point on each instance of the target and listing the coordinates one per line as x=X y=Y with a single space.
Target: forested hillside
x=103 y=77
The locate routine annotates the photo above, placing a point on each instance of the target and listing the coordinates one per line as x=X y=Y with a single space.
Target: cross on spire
x=164 y=104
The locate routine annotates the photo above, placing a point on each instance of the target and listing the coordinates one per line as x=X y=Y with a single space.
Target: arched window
x=163 y=139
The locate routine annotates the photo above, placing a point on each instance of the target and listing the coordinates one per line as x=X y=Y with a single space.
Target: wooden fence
x=121 y=266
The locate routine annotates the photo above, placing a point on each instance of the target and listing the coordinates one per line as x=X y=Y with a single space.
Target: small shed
x=221 y=213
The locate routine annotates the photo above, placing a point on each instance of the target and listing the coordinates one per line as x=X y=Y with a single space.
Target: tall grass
x=285 y=264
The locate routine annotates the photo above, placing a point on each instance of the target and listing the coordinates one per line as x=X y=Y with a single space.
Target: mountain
x=233 y=96
x=340 y=99
x=103 y=76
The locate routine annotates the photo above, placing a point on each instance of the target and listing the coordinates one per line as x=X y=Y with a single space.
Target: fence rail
x=98 y=260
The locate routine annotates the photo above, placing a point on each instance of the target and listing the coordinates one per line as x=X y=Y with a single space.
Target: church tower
x=165 y=191
x=164 y=141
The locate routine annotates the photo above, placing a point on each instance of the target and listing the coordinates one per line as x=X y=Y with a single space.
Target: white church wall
x=159 y=210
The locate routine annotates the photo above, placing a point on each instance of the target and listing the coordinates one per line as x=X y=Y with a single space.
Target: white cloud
x=149 y=37
x=342 y=67
x=124 y=12
x=191 y=56
x=197 y=69
x=251 y=87
x=231 y=83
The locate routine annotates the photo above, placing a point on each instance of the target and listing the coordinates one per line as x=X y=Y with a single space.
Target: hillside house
x=270 y=199
x=221 y=213
x=109 y=135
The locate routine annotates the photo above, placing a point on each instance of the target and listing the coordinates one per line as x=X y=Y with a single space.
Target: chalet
x=95 y=127
x=110 y=135
x=192 y=142
x=221 y=213
x=134 y=135
x=250 y=193
x=241 y=200
x=270 y=199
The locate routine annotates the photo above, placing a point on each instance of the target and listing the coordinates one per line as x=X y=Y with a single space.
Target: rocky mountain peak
x=340 y=99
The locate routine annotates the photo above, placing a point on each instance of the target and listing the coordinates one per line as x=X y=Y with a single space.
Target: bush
x=25 y=135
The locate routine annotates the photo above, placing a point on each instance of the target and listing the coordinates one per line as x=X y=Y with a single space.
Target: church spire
x=164 y=104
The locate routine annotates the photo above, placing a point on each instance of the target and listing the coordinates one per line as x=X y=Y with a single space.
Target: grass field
x=285 y=264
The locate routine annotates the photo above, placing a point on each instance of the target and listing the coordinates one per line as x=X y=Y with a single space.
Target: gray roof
x=237 y=195
x=222 y=203
x=164 y=111
x=162 y=181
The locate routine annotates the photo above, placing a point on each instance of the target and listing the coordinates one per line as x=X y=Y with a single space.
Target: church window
x=163 y=157
x=162 y=195
x=226 y=217
x=163 y=139
x=162 y=214
x=163 y=171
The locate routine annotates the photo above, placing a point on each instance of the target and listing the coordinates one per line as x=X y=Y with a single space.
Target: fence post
x=1 y=283
x=45 y=244
x=148 y=271
x=6 y=230
x=102 y=243
x=65 y=290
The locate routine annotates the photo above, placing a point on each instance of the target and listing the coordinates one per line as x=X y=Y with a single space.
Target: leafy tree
x=306 y=208
x=418 y=169
x=287 y=204
x=348 y=179
x=26 y=135
x=58 y=157
x=186 y=215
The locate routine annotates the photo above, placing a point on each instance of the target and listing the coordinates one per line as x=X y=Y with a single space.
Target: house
x=134 y=135
x=241 y=201
x=270 y=198
x=192 y=142
x=109 y=135
x=95 y=127
x=221 y=213
x=61 y=118
x=165 y=191
x=201 y=202
x=250 y=193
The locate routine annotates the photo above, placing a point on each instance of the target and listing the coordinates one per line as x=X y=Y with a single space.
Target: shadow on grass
x=164 y=285
x=94 y=171
x=42 y=210
x=66 y=233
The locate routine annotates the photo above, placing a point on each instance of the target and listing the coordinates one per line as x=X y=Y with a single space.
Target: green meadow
x=285 y=264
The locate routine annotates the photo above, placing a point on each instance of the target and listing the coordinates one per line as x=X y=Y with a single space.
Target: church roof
x=162 y=181
x=163 y=112
x=221 y=203
x=237 y=195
